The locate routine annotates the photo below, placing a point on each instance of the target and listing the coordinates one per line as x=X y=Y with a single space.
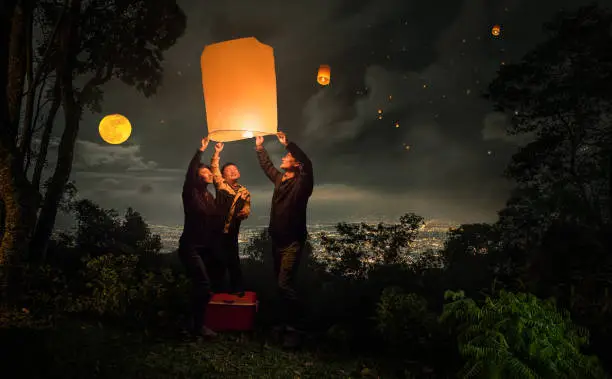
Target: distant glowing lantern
x=115 y=129
x=496 y=30
x=239 y=80
x=324 y=75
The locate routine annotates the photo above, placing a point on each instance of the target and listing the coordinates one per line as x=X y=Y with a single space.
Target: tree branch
x=33 y=82
x=45 y=56
x=46 y=137
x=39 y=106
x=103 y=75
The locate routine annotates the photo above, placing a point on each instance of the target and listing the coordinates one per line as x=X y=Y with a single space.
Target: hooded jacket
x=203 y=221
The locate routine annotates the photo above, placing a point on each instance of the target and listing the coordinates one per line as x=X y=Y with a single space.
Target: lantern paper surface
x=239 y=81
x=324 y=75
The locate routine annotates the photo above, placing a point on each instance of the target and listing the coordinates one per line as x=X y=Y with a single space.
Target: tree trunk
x=57 y=184
x=41 y=158
x=20 y=217
x=6 y=12
x=16 y=194
x=72 y=115
x=16 y=66
x=26 y=133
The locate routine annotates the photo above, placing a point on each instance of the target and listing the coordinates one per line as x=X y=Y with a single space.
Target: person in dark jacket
x=287 y=229
x=234 y=202
x=198 y=245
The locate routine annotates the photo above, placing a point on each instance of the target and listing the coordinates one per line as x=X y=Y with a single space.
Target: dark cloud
x=457 y=145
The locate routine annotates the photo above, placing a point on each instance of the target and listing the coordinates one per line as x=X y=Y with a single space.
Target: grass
x=78 y=349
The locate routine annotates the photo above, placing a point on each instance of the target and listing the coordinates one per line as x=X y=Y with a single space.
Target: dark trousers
x=230 y=250
x=205 y=270
x=286 y=261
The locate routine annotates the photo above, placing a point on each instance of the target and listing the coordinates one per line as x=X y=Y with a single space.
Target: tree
x=18 y=197
x=361 y=246
x=101 y=231
x=559 y=217
x=88 y=42
x=259 y=246
x=560 y=93
x=134 y=231
x=107 y=39
x=470 y=240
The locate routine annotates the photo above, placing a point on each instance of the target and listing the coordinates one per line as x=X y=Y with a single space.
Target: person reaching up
x=292 y=190
x=199 y=242
x=234 y=202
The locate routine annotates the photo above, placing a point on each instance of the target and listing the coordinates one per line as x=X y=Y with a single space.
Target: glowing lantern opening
x=324 y=75
x=239 y=81
x=115 y=129
x=496 y=30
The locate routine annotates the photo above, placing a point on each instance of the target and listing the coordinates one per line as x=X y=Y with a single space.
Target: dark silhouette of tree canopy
x=108 y=39
x=85 y=44
x=101 y=231
x=360 y=246
x=560 y=93
x=558 y=218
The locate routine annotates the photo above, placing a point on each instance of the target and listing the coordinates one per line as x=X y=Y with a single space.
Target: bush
x=118 y=289
x=404 y=318
x=518 y=336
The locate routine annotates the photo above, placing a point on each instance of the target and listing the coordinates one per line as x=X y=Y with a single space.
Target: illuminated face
x=496 y=30
x=231 y=173
x=205 y=174
x=288 y=162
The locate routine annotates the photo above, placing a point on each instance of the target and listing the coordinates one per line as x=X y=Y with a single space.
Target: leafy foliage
x=118 y=289
x=404 y=318
x=556 y=224
x=518 y=336
x=119 y=39
x=557 y=93
x=100 y=231
x=359 y=247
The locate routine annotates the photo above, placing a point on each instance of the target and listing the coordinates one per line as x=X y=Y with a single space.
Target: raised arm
x=264 y=161
x=192 y=170
x=220 y=183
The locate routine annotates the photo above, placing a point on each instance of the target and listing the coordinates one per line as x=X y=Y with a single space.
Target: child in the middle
x=234 y=200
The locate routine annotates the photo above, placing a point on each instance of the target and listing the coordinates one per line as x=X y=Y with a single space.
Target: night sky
x=425 y=64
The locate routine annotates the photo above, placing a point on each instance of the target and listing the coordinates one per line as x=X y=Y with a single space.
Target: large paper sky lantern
x=239 y=81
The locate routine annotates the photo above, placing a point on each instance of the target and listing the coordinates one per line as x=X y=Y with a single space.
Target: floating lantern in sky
x=239 y=81
x=324 y=75
x=115 y=129
x=496 y=30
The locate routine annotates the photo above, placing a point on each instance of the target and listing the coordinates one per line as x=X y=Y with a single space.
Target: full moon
x=115 y=129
